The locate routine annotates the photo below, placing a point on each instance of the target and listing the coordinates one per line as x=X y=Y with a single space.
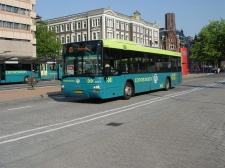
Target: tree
x=209 y=44
x=48 y=44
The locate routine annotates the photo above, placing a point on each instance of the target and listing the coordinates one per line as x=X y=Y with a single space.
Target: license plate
x=78 y=91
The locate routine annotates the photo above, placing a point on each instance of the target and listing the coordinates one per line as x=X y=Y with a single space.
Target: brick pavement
x=28 y=93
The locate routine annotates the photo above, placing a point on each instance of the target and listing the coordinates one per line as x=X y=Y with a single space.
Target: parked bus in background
x=116 y=68
x=14 y=72
x=51 y=71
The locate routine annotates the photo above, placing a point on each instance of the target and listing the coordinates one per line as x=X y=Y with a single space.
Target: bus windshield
x=83 y=59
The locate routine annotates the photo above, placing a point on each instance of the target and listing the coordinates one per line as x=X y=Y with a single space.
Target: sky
x=190 y=15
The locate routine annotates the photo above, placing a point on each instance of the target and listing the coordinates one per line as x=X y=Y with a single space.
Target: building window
x=62 y=40
x=84 y=23
x=117 y=24
x=78 y=25
x=84 y=37
x=141 y=40
x=74 y=39
x=171 y=46
x=134 y=39
x=122 y=36
x=15 y=25
x=78 y=37
x=67 y=39
x=22 y=11
x=126 y=27
x=15 y=10
x=98 y=35
x=109 y=22
x=74 y=25
x=137 y=28
x=150 y=33
x=62 y=28
x=138 y=40
x=146 y=41
x=8 y=8
x=126 y=37
x=155 y=34
x=23 y=26
x=57 y=29
x=118 y=36
x=67 y=27
x=94 y=36
x=146 y=31
x=95 y=22
x=122 y=26
x=109 y=34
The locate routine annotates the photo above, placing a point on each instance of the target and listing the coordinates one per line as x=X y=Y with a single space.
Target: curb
x=42 y=96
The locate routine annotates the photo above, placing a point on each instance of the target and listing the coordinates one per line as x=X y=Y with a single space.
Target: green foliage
x=209 y=44
x=47 y=43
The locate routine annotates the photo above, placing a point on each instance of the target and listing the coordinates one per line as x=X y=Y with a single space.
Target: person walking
x=197 y=69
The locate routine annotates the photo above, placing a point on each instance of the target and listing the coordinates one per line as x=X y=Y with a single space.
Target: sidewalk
x=195 y=75
x=24 y=94
x=42 y=92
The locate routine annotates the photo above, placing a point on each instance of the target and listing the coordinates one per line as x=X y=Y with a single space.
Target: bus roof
x=130 y=45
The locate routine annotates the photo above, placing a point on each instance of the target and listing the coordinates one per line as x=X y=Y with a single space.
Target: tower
x=170 y=21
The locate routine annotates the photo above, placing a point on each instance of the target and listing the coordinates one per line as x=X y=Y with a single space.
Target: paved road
x=46 y=88
x=183 y=127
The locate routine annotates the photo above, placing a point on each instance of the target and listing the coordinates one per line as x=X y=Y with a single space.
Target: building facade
x=171 y=38
x=105 y=23
x=17 y=28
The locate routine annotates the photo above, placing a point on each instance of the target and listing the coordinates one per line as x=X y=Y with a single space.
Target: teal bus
x=51 y=71
x=111 y=68
x=14 y=72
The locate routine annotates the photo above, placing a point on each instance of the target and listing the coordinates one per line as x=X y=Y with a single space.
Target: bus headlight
x=96 y=87
x=62 y=87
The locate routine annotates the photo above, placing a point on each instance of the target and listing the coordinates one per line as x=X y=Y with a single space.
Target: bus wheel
x=128 y=91
x=167 y=84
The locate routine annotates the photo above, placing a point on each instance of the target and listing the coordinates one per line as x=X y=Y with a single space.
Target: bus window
x=150 y=63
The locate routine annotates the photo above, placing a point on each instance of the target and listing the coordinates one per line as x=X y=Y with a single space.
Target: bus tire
x=128 y=91
x=167 y=84
x=26 y=79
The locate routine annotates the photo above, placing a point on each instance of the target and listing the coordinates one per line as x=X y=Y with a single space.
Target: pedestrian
x=197 y=69
x=218 y=70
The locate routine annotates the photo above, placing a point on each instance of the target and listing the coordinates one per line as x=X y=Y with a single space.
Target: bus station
x=19 y=69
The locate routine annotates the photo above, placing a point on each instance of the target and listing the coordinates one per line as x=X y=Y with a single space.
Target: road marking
x=102 y=115
x=19 y=108
x=89 y=118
